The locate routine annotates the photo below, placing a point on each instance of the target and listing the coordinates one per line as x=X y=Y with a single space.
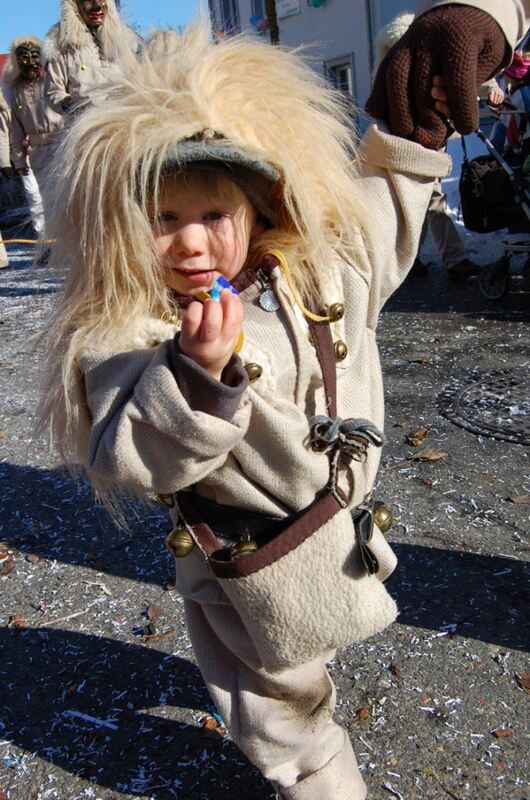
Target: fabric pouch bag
x=317 y=584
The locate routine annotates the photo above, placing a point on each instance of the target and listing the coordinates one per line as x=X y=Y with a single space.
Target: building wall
x=339 y=32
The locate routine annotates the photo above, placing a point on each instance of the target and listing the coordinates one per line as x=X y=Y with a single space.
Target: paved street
x=437 y=706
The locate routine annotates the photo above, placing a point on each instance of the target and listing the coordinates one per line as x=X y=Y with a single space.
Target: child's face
x=201 y=232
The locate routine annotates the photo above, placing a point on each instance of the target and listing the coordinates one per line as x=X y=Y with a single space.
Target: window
x=224 y=15
x=229 y=16
x=258 y=8
x=340 y=73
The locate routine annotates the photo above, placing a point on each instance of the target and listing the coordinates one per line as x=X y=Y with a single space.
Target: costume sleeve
x=56 y=84
x=5 y=147
x=395 y=178
x=150 y=434
x=18 y=134
x=512 y=16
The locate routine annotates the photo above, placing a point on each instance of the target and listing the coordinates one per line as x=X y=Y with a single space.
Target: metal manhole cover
x=496 y=405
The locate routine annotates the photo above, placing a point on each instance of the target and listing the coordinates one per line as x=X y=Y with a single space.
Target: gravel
x=100 y=694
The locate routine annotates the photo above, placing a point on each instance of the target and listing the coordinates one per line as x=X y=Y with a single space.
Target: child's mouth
x=203 y=276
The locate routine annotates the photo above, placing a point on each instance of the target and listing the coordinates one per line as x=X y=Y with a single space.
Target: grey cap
x=216 y=154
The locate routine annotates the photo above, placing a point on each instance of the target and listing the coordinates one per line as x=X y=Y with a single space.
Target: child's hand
x=210 y=332
x=441 y=97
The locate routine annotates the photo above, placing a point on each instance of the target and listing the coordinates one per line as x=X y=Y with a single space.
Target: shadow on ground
x=46 y=513
x=99 y=709
x=471 y=595
x=434 y=293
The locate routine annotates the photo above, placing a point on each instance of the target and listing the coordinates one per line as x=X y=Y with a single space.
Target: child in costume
x=198 y=168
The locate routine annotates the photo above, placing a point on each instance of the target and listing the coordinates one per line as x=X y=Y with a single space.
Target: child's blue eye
x=166 y=216
x=213 y=216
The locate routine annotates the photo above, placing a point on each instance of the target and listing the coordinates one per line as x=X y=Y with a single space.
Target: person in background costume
x=445 y=234
x=5 y=161
x=87 y=47
x=161 y=42
x=144 y=387
x=33 y=122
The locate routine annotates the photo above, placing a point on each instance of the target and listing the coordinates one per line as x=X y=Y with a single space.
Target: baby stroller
x=494 y=195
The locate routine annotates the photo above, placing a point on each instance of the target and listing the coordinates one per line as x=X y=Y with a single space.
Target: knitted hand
x=462 y=44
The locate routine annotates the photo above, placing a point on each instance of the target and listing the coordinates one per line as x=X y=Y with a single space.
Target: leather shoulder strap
x=321 y=335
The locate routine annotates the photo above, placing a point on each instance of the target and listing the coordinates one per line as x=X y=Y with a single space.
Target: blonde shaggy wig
x=262 y=99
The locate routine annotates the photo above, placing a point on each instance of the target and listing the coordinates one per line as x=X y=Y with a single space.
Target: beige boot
x=3 y=255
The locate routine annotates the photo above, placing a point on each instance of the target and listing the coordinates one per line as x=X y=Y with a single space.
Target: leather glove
x=464 y=45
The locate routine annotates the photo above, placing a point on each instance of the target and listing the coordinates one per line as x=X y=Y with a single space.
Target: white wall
x=337 y=28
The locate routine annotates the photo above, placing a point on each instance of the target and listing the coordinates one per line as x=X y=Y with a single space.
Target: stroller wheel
x=493 y=280
x=526 y=275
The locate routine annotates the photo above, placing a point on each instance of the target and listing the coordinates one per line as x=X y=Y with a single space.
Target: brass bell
x=382 y=517
x=341 y=350
x=336 y=312
x=244 y=548
x=167 y=499
x=180 y=543
x=254 y=371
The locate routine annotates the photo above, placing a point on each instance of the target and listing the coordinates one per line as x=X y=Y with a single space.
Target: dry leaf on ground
x=150 y=638
x=7 y=566
x=524 y=681
x=154 y=613
x=211 y=729
x=360 y=714
x=519 y=498
x=428 y=455
x=17 y=620
x=502 y=733
x=415 y=438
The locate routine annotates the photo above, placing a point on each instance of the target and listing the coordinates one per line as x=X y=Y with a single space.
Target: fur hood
x=11 y=72
x=390 y=34
x=71 y=33
x=142 y=332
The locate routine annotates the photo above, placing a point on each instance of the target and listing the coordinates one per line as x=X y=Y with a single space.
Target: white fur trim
x=142 y=333
x=388 y=36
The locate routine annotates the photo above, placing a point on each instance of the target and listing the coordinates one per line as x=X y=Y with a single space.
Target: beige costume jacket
x=247 y=446
x=32 y=117
x=5 y=125
x=74 y=73
x=145 y=434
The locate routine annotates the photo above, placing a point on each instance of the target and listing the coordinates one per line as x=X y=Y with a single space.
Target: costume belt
x=36 y=139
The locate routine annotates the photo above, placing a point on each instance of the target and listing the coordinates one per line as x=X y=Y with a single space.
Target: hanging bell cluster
x=180 y=543
x=382 y=517
x=245 y=547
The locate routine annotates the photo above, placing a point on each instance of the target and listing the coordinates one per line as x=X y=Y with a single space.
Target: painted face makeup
x=28 y=60
x=93 y=12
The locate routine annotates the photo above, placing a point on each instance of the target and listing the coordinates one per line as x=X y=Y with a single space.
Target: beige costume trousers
x=3 y=254
x=445 y=235
x=283 y=722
